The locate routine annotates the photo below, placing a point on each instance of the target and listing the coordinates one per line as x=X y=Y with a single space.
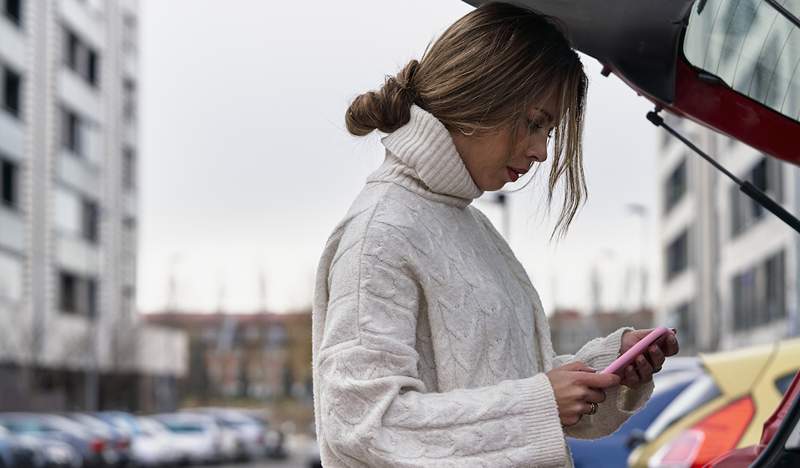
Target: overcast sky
x=246 y=166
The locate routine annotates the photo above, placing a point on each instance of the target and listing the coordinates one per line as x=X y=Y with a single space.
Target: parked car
x=119 y=440
x=91 y=448
x=613 y=451
x=14 y=453
x=273 y=438
x=250 y=433
x=154 y=445
x=197 y=438
x=723 y=409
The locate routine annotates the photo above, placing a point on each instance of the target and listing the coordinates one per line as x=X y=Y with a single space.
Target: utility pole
x=640 y=211
x=502 y=200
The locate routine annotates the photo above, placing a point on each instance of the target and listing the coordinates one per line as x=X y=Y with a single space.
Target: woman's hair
x=482 y=74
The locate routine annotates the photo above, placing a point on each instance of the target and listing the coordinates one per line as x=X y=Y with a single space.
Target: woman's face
x=494 y=159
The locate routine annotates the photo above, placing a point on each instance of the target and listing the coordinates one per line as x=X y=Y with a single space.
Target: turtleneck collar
x=422 y=157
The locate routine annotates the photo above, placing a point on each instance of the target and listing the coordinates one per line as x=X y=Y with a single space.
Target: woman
x=430 y=346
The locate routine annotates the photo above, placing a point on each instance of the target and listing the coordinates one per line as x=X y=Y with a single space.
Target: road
x=298 y=448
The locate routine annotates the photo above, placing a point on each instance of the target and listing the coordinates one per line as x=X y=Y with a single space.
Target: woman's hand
x=576 y=386
x=649 y=362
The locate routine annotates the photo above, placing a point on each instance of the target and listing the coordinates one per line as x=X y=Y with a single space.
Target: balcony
x=14 y=50
x=12 y=136
x=79 y=95
x=77 y=255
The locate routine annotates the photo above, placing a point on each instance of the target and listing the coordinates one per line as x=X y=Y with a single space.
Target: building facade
x=69 y=215
x=729 y=269
x=257 y=356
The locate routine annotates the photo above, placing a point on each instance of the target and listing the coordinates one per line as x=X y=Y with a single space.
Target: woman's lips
x=512 y=174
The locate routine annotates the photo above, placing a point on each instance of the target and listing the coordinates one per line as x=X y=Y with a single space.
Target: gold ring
x=594 y=408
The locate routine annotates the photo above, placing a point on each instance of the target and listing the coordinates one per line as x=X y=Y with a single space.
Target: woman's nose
x=537 y=149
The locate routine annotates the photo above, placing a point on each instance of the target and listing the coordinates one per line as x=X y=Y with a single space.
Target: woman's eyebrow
x=547 y=114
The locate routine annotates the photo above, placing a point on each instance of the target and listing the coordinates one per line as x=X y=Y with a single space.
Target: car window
x=751 y=47
x=782 y=383
x=182 y=428
x=696 y=395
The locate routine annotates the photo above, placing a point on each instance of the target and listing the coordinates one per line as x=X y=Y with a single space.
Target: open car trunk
x=730 y=65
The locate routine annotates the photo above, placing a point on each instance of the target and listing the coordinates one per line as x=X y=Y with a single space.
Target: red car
x=730 y=65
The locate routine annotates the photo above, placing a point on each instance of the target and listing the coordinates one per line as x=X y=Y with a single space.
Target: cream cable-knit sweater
x=429 y=340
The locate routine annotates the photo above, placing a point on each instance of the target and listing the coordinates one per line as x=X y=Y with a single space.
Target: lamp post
x=640 y=211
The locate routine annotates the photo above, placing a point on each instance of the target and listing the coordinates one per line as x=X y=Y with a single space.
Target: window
x=12 y=92
x=128 y=169
x=81 y=58
x=678 y=255
x=782 y=383
x=675 y=186
x=128 y=100
x=681 y=318
x=767 y=175
x=129 y=33
x=13 y=10
x=759 y=294
x=8 y=184
x=128 y=298
x=91 y=297
x=77 y=295
x=71 y=134
x=67 y=293
x=90 y=220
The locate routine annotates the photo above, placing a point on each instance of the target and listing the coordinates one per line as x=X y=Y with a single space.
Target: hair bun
x=387 y=109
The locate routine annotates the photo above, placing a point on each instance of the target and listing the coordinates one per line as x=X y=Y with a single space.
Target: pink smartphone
x=636 y=350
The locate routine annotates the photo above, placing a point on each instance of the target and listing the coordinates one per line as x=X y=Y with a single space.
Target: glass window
x=782 y=383
x=759 y=294
x=678 y=255
x=675 y=186
x=12 y=92
x=128 y=169
x=68 y=293
x=752 y=47
x=13 y=11
x=81 y=58
x=8 y=184
x=767 y=175
x=71 y=135
x=90 y=221
x=129 y=100
x=681 y=318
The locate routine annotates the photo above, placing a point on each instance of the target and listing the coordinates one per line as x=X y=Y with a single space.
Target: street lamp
x=640 y=211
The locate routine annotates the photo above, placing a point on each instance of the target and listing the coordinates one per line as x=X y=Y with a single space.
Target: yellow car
x=724 y=409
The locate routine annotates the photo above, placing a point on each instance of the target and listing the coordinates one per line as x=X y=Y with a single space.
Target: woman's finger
x=656 y=357
x=643 y=369
x=671 y=346
x=631 y=377
x=596 y=396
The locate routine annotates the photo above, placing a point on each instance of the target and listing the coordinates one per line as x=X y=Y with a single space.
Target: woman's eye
x=533 y=126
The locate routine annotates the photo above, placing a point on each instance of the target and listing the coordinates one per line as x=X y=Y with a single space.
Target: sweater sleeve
x=621 y=402
x=374 y=408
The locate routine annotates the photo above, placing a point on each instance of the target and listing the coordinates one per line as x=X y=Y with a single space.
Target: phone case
x=636 y=350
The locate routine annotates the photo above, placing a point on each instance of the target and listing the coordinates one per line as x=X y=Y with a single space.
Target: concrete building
x=68 y=217
x=571 y=329
x=258 y=356
x=729 y=270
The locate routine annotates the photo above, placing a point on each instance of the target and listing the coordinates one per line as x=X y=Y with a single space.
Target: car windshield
x=184 y=428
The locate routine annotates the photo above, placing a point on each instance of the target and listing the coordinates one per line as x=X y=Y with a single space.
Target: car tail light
x=710 y=437
x=123 y=444
x=98 y=445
